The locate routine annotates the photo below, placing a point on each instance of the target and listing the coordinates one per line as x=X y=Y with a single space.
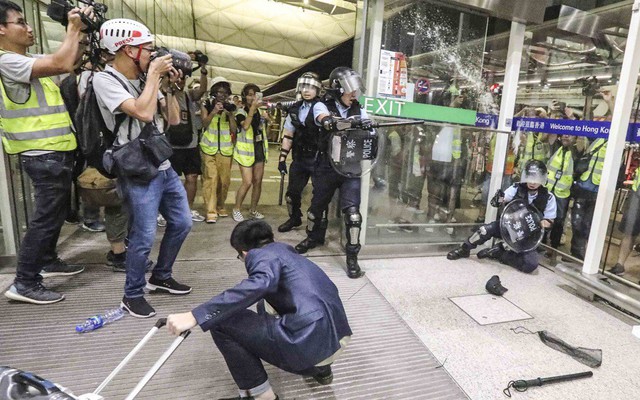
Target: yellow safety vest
x=217 y=137
x=40 y=123
x=244 y=152
x=560 y=187
x=456 y=151
x=596 y=163
x=636 y=181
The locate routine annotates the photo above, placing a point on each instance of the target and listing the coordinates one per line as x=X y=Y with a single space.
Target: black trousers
x=51 y=176
x=581 y=216
x=300 y=171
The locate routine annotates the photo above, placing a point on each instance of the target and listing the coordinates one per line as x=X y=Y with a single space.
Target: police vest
x=596 y=163
x=541 y=200
x=217 y=137
x=560 y=173
x=353 y=111
x=305 y=137
x=511 y=157
x=244 y=152
x=40 y=123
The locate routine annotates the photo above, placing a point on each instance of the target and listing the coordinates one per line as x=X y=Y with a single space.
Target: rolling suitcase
x=20 y=385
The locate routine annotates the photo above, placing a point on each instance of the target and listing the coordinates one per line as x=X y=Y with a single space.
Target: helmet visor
x=306 y=83
x=352 y=83
x=534 y=175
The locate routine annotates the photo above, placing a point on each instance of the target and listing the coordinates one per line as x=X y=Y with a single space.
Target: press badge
x=558 y=175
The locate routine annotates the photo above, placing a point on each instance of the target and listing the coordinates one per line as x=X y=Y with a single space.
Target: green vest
x=534 y=150
x=636 y=181
x=596 y=163
x=217 y=137
x=557 y=167
x=244 y=152
x=41 y=123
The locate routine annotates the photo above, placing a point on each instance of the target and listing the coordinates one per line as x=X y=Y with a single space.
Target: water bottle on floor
x=97 y=321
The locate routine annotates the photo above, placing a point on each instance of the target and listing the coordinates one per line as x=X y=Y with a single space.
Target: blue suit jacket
x=312 y=318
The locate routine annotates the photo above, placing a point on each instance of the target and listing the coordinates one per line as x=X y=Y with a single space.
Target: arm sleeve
x=110 y=92
x=318 y=109
x=288 y=125
x=16 y=67
x=510 y=193
x=550 y=210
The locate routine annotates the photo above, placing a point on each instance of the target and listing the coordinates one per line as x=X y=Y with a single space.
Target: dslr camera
x=181 y=61
x=58 y=10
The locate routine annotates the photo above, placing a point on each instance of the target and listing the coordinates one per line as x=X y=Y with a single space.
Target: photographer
x=216 y=149
x=184 y=138
x=35 y=124
x=121 y=89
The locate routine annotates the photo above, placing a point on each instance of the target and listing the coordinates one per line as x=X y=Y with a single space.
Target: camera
x=181 y=61
x=200 y=57
x=58 y=10
x=210 y=102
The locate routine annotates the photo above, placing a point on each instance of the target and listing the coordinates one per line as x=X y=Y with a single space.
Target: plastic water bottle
x=97 y=321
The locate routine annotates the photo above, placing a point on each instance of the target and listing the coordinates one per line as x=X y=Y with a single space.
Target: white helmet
x=116 y=33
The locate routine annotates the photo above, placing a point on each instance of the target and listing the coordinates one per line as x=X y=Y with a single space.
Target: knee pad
x=353 y=222
x=289 y=204
x=311 y=221
x=477 y=236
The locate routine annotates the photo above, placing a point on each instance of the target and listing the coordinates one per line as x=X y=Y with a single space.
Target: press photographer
x=128 y=91
x=35 y=124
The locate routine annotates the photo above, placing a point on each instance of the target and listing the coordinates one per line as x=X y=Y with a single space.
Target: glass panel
x=566 y=91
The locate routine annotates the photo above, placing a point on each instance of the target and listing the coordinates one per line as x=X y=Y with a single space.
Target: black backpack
x=94 y=138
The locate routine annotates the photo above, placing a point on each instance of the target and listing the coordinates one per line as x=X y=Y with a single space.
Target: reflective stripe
x=31 y=112
x=245 y=153
x=561 y=187
x=49 y=133
x=208 y=142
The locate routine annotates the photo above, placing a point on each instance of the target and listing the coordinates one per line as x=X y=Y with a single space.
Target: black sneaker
x=60 y=268
x=137 y=307
x=36 y=294
x=460 y=252
x=95 y=226
x=325 y=377
x=617 y=269
x=117 y=261
x=168 y=285
x=291 y=223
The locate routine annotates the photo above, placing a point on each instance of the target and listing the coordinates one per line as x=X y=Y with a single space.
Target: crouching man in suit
x=308 y=332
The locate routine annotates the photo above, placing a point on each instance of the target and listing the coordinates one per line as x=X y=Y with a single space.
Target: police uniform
x=527 y=261
x=325 y=182
x=305 y=149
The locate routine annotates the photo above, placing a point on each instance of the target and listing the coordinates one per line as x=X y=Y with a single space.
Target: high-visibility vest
x=40 y=123
x=511 y=157
x=456 y=145
x=217 y=137
x=535 y=149
x=636 y=181
x=596 y=163
x=244 y=152
x=561 y=164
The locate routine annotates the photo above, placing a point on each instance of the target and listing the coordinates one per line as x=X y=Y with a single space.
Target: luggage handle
x=159 y=324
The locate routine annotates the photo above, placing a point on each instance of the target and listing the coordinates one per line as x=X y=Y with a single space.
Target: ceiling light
x=411 y=33
x=306 y=2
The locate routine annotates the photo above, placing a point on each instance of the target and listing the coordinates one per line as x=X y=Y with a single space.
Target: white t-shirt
x=443 y=145
x=111 y=94
x=16 y=77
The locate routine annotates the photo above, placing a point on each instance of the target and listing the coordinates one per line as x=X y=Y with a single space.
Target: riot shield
x=354 y=152
x=520 y=226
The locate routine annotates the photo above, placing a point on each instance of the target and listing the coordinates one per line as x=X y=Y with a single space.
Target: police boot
x=291 y=223
x=494 y=252
x=307 y=245
x=353 y=269
x=460 y=252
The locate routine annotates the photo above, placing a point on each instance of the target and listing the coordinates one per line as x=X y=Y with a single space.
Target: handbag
x=155 y=144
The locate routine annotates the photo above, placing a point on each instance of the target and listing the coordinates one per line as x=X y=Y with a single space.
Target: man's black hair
x=5 y=6
x=251 y=234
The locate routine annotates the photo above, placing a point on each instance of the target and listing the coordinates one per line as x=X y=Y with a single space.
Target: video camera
x=58 y=10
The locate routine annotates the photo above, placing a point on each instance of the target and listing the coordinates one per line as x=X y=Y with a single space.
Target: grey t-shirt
x=16 y=77
x=111 y=94
x=187 y=114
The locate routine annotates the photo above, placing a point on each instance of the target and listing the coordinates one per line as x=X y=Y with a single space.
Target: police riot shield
x=520 y=226
x=354 y=152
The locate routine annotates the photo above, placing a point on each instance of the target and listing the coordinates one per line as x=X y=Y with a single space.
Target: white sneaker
x=196 y=217
x=237 y=215
x=256 y=215
x=161 y=220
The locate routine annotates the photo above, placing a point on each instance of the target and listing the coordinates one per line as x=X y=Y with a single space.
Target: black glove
x=366 y=124
x=282 y=167
x=497 y=199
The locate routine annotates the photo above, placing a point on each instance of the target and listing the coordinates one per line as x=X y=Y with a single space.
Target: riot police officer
x=341 y=103
x=301 y=135
x=531 y=189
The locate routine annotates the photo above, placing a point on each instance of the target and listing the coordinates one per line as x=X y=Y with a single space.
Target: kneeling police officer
x=532 y=191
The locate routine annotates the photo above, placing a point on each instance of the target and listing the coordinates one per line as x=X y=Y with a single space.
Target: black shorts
x=186 y=161
x=630 y=223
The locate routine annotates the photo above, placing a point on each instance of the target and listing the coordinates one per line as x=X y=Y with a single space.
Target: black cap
x=494 y=286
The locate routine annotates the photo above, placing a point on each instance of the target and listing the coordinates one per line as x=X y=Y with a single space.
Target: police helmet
x=345 y=80
x=309 y=80
x=535 y=171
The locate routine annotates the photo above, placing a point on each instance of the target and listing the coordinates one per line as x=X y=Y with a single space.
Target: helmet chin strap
x=136 y=61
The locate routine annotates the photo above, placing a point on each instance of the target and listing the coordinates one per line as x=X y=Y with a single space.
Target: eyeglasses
x=20 y=22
